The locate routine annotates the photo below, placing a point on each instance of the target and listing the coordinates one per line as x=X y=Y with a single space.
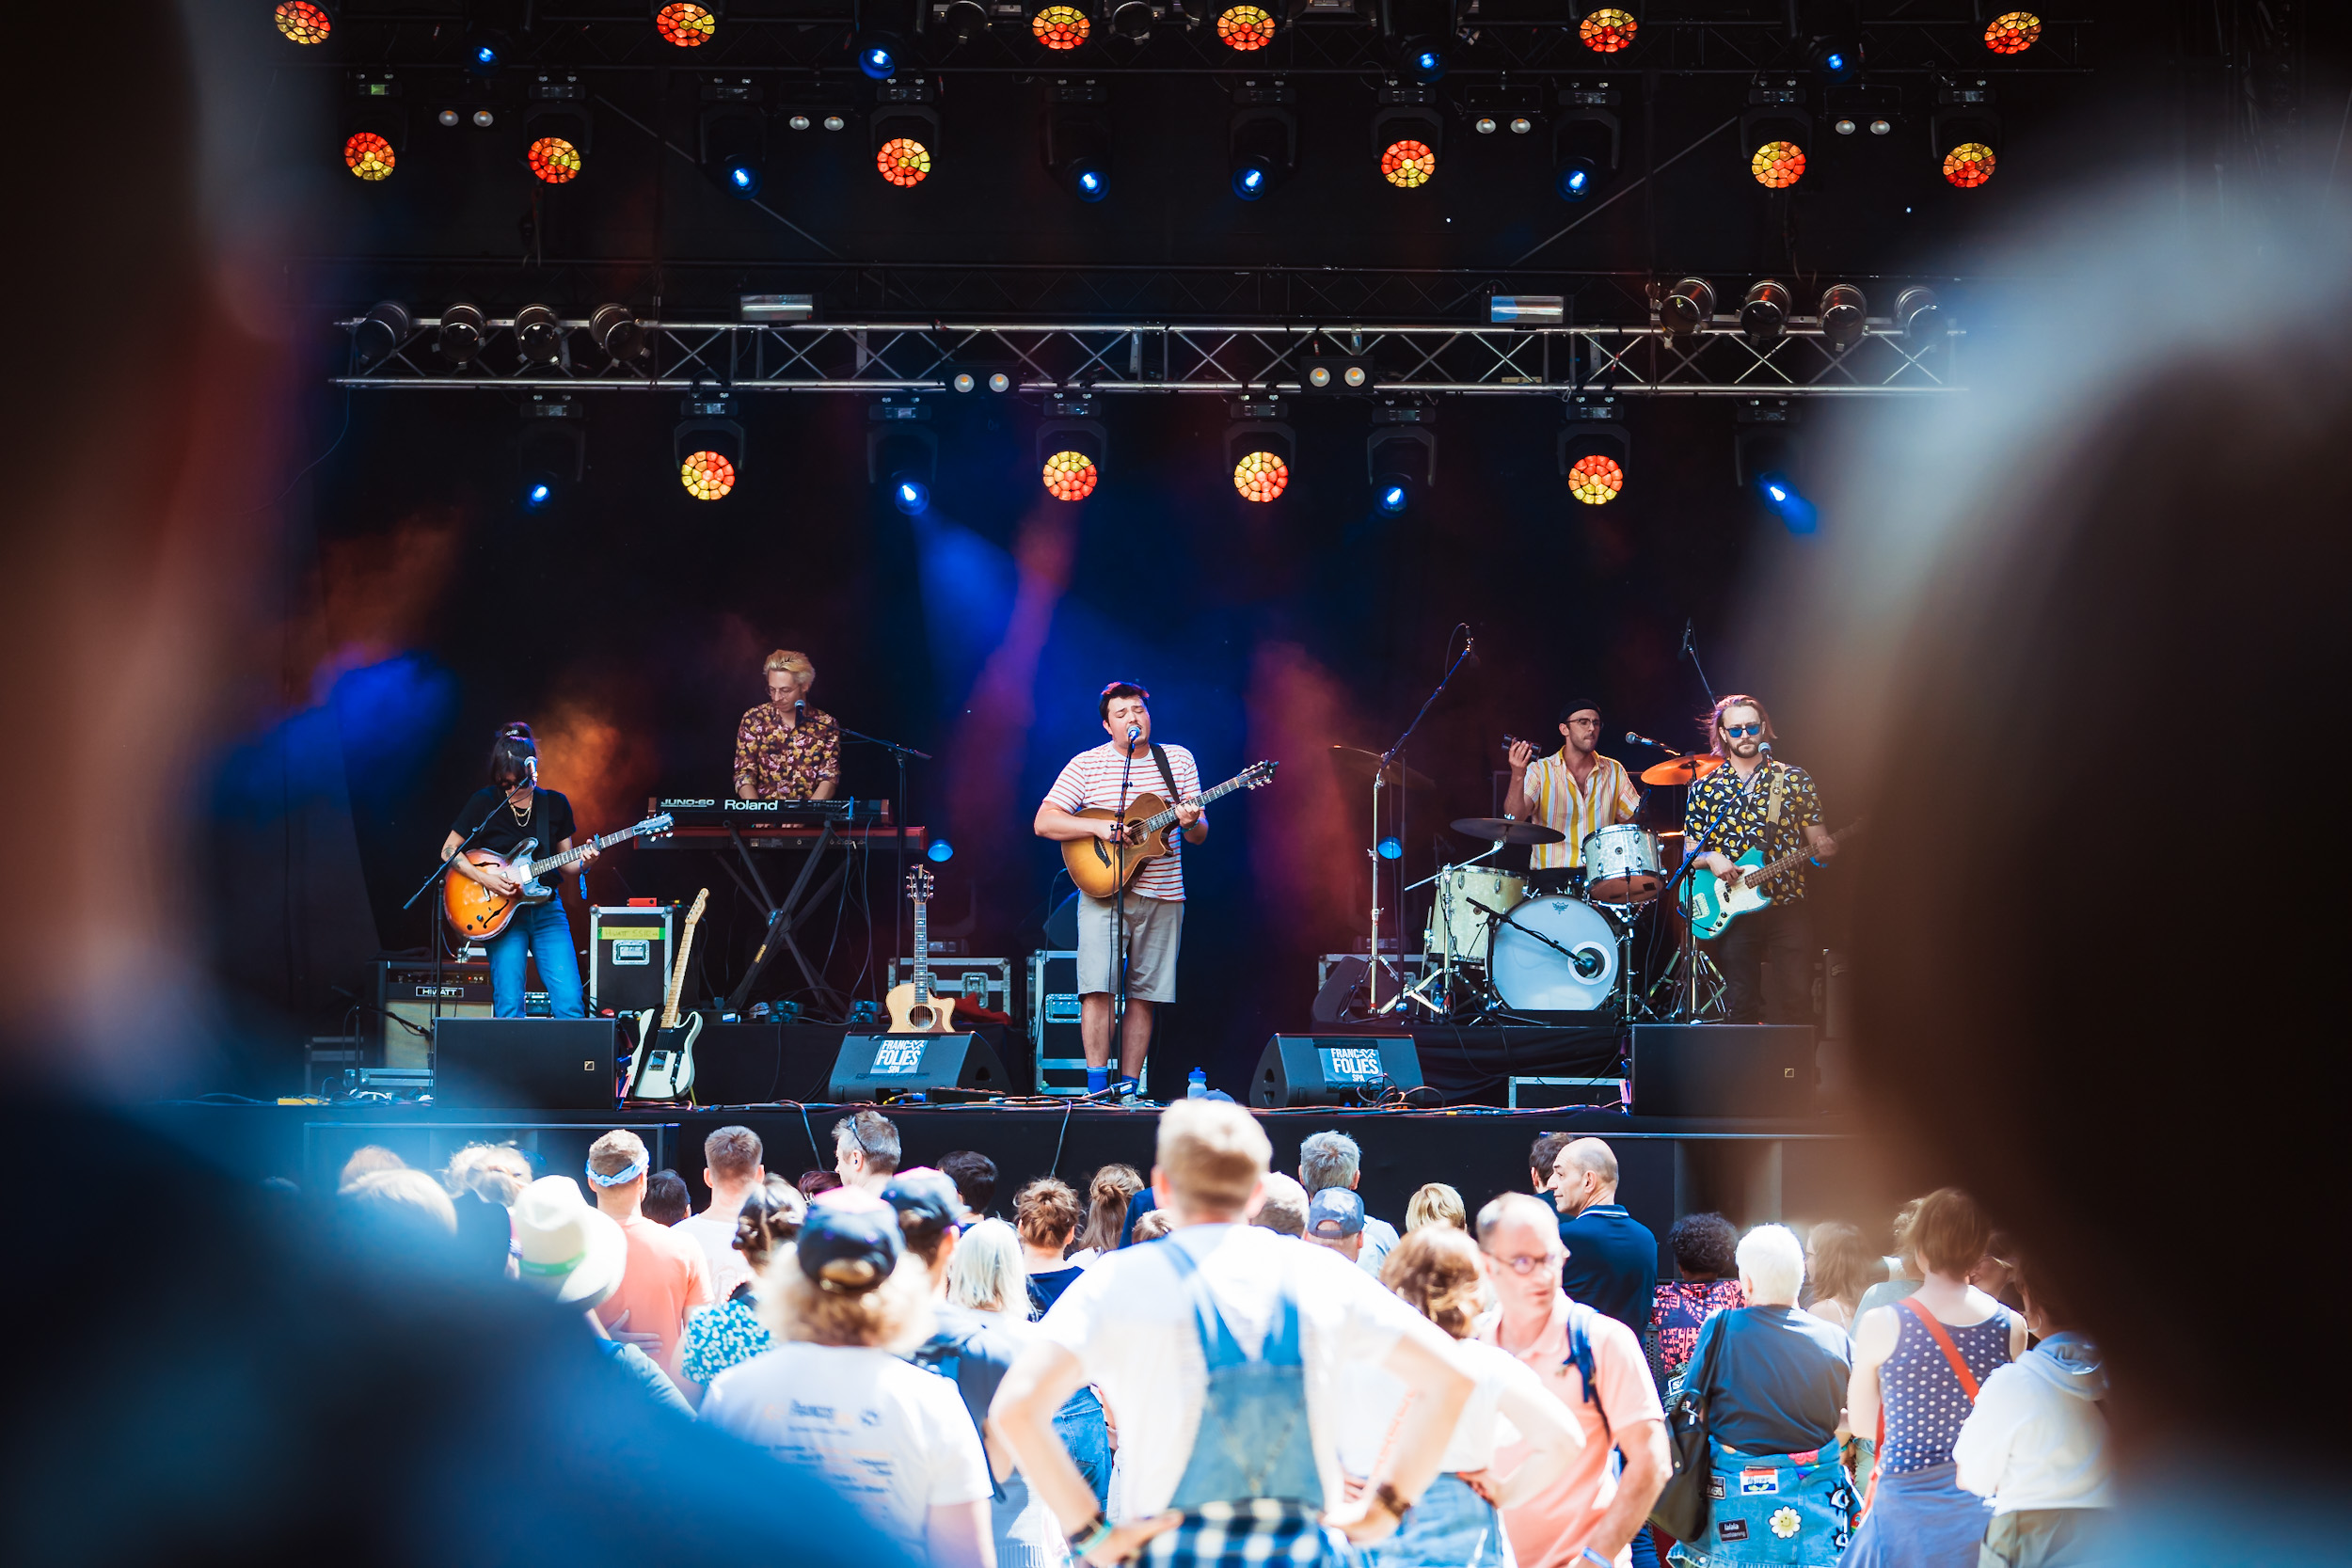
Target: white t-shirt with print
x=893 y=1438
x=714 y=1230
x=1131 y=1327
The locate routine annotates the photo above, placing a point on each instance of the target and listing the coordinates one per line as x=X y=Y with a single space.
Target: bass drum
x=1554 y=955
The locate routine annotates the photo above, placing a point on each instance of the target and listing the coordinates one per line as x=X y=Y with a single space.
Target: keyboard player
x=785 y=749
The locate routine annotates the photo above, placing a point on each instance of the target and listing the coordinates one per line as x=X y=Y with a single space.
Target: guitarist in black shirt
x=515 y=809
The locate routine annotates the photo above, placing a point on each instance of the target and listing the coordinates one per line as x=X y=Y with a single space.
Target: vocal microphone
x=1469 y=652
x=1686 y=641
x=1134 y=733
x=532 y=764
x=799 y=709
x=1645 y=740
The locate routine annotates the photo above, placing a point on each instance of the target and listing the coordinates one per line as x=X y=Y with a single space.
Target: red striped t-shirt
x=1090 y=782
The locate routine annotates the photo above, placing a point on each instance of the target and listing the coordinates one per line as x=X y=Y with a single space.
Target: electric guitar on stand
x=915 y=1008
x=663 y=1066
x=477 y=915
x=1099 y=873
x=1714 y=906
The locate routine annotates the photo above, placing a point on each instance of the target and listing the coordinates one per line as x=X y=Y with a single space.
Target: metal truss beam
x=1167 y=358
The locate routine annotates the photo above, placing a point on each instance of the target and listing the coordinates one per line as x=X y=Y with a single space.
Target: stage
x=1751 y=1171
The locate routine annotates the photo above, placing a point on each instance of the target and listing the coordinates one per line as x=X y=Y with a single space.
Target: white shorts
x=1156 y=928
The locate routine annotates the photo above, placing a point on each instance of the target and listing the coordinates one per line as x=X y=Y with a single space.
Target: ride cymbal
x=1681 y=770
x=1501 y=830
x=1360 y=766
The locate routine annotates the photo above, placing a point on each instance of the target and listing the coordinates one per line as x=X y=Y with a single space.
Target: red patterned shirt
x=774 y=762
x=1681 y=1309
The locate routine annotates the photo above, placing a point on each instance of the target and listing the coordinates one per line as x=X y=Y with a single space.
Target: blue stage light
x=538 y=496
x=910 y=496
x=484 y=55
x=1394 y=498
x=1391 y=850
x=1091 y=183
x=1250 y=182
x=878 y=60
x=1788 y=503
x=1575 y=179
x=1835 y=61
x=941 y=850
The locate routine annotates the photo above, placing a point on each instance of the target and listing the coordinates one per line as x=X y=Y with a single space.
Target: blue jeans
x=1083 y=1431
x=540 y=931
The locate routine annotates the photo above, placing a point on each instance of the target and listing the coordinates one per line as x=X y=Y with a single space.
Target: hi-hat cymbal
x=1681 y=770
x=1501 y=830
x=1360 y=766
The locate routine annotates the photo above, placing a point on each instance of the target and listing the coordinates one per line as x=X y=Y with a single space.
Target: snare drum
x=1459 y=891
x=1621 y=865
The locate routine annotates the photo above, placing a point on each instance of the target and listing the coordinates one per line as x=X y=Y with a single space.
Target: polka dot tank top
x=1925 y=1403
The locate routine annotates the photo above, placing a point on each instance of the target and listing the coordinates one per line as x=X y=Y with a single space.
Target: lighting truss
x=1162 y=357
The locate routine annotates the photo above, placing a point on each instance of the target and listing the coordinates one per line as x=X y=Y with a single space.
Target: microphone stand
x=900 y=754
x=1117 y=1056
x=1379 y=775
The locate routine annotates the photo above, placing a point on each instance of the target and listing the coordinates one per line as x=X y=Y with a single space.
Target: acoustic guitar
x=663 y=1066
x=1714 y=906
x=1101 y=869
x=477 y=915
x=914 y=1007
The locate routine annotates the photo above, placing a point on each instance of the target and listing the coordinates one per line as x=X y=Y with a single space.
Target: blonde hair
x=987 y=1273
x=498 y=1172
x=617 y=1151
x=1215 y=1154
x=1435 y=1271
x=1151 y=1225
x=1106 y=1206
x=791 y=663
x=894 y=1315
x=1436 y=1204
x=409 y=1195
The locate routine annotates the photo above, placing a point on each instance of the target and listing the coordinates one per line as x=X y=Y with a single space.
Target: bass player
x=1756 y=802
x=1574 y=791
x=1153 y=907
x=511 y=809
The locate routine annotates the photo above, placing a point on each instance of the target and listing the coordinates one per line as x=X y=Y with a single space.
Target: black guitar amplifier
x=1723 y=1069
x=871 y=1066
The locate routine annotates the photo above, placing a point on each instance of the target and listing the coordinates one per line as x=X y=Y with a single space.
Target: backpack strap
x=1580 y=1356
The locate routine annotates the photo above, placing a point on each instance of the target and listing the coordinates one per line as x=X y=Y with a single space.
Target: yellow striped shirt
x=1553 y=800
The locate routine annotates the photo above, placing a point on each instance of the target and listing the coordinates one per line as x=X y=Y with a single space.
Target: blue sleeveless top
x=1924 y=1401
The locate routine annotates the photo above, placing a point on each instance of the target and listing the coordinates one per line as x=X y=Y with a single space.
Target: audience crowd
x=1174 y=1370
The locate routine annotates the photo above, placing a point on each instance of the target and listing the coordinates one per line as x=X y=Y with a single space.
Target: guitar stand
x=783 y=919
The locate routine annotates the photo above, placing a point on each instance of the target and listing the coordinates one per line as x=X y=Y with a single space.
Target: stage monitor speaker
x=871 y=1066
x=1333 y=1070
x=541 y=1063
x=1723 y=1069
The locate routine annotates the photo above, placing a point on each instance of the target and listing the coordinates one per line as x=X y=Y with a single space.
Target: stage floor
x=1750 y=1171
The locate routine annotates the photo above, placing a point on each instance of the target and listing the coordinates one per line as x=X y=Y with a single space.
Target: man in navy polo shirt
x=1612 y=1257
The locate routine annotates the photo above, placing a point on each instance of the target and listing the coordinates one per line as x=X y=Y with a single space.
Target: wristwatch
x=1388 y=1497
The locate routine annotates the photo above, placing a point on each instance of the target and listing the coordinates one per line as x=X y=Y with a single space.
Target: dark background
x=419 y=607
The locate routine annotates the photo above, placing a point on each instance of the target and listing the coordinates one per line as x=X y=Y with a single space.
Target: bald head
x=1584 y=1174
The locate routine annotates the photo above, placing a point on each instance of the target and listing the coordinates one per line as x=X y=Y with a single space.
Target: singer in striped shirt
x=1154 y=910
x=1575 y=790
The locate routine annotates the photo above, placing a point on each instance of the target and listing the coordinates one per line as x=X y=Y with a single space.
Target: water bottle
x=1197 y=1086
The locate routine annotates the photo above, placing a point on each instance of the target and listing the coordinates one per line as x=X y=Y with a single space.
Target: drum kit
x=1495 y=947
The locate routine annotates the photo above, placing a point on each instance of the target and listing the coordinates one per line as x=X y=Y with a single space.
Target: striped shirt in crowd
x=1091 y=780
x=1553 y=800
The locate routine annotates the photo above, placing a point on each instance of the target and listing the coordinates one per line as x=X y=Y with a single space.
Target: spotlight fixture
x=1774 y=131
x=304 y=22
x=461 y=332
x=540 y=334
x=1336 y=373
x=732 y=135
x=2010 y=33
x=996 y=379
x=1965 y=134
x=1075 y=138
x=1767 y=461
x=1917 y=313
x=964 y=19
x=1834 y=38
x=1421 y=60
x=1246 y=27
x=375 y=131
x=1596 y=450
x=901 y=454
x=1260 y=449
x=1608 y=30
x=550 y=452
x=1261 y=139
x=1060 y=27
x=1130 y=18
x=687 y=24
x=940 y=851
x=707 y=446
x=1843 y=316
x=1686 y=309
x=1401 y=456
x=1408 y=136
x=556 y=128
x=879 y=55
x=905 y=131
x=1586 y=143
x=380 y=332
x=1071 y=447
x=1764 y=313
x=616 y=330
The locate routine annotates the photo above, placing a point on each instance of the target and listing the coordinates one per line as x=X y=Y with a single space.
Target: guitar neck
x=579 y=851
x=1156 y=823
x=922 y=951
x=677 y=974
x=1766 y=872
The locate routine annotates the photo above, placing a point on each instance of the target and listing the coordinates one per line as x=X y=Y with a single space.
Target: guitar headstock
x=1258 y=774
x=701 y=900
x=656 y=825
x=919 y=884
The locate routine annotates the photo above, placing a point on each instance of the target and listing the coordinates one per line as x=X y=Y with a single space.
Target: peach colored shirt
x=666 y=1278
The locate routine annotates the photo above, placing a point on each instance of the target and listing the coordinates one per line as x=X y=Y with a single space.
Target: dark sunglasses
x=1736 y=730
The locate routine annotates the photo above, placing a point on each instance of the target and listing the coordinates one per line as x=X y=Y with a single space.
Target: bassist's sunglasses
x=1738 y=730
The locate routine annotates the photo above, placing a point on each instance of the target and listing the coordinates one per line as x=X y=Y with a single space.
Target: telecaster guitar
x=663 y=1066
x=477 y=915
x=1714 y=906
x=1101 y=869
x=914 y=1007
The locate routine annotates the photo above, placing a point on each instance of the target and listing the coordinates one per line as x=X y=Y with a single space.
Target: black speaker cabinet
x=542 y=1064
x=1723 y=1069
x=871 y=1066
x=1333 y=1070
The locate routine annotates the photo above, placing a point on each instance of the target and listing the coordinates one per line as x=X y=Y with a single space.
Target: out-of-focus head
x=402 y=1201
x=929 y=1208
x=1211 y=1157
x=1151 y=1224
x=1840 y=1263
x=1435 y=1203
x=1328 y=1159
x=1518 y=1242
x=1281 y=1206
x=1950 y=1233
x=1772 y=1266
x=849 y=1281
x=987 y=1273
x=1435 y=1271
x=366 y=1160
x=1703 y=1247
x=667 y=1201
x=1107 y=1196
x=497 y=1173
x=975 y=1176
x=568 y=1248
x=1335 y=1218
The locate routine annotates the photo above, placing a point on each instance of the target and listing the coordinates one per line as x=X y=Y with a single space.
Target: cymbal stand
x=1391 y=758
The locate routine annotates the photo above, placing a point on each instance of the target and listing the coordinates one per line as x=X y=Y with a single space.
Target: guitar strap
x=1160 y=756
x=1771 y=804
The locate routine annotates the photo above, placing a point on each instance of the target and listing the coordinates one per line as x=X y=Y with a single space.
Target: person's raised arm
x=1021 y=1416
x=1436 y=1389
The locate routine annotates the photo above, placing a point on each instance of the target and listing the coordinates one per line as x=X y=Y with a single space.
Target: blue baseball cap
x=850 y=1242
x=1335 y=1213
x=926 y=1198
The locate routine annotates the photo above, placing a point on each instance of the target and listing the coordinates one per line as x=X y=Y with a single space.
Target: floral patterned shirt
x=1733 y=818
x=727 y=1336
x=774 y=762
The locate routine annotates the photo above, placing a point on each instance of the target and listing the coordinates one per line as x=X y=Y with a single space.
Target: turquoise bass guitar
x=1713 y=906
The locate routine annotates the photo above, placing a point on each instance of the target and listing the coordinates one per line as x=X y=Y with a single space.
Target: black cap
x=850 y=1242
x=1577 y=706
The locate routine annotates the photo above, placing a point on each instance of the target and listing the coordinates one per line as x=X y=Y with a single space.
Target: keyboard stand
x=784 y=919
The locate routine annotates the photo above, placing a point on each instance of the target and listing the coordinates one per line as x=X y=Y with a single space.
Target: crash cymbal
x=1360 y=766
x=1501 y=830
x=1683 y=770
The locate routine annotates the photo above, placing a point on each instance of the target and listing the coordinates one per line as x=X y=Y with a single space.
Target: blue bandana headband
x=618 y=1179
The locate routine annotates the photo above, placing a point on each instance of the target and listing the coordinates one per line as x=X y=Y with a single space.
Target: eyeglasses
x=1526 y=1264
x=1736 y=730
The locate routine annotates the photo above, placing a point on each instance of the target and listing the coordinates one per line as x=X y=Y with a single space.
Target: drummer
x=1575 y=791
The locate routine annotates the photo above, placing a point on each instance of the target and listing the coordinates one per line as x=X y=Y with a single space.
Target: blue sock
x=1098 y=1079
